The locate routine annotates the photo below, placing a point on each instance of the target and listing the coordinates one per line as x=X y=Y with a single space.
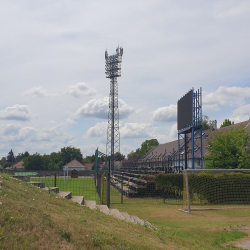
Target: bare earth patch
x=243 y=243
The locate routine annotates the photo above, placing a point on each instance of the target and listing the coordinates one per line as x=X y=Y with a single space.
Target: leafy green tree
x=34 y=162
x=89 y=159
x=68 y=153
x=7 y=164
x=226 y=123
x=20 y=156
x=119 y=156
x=229 y=149
x=206 y=123
x=11 y=157
x=145 y=147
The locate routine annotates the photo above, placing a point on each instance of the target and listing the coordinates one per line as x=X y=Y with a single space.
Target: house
x=88 y=166
x=19 y=166
x=74 y=164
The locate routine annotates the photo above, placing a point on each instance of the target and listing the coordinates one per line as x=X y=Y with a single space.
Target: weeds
x=66 y=235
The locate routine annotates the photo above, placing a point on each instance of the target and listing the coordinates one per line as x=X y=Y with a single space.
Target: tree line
x=53 y=161
x=228 y=149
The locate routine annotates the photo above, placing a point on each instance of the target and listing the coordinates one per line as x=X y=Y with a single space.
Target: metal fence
x=84 y=183
x=123 y=186
x=138 y=181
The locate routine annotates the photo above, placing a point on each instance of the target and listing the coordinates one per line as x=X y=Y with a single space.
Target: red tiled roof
x=19 y=165
x=74 y=164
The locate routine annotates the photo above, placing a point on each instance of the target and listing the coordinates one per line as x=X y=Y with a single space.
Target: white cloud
x=225 y=96
x=165 y=114
x=71 y=121
x=15 y=133
x=80 y=89
x=241 y=114
x=39 y=92
x=90 y=149
x=16 y=112
x=99 y=130
x=54 y=134
x=99 y=109
x=12 y=129
x=137 y=130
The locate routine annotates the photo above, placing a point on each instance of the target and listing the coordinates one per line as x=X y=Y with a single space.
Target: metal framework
x=195 y=138
x=113 y=70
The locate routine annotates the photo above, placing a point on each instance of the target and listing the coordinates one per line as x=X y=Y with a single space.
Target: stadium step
x=52 y=189
x=78 y=199
x=127 y=217
x=38 y=184
x=103 y=208
x=119 y=215
x=91 y=204
x=116 y=213
x=66 y=195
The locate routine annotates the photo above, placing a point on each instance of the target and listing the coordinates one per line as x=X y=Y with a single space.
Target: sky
x=54 y=92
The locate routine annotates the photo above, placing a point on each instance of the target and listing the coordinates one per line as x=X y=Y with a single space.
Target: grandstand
x=160 y=159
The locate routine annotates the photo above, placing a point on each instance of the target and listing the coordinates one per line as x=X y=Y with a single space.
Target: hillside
x=31 y=218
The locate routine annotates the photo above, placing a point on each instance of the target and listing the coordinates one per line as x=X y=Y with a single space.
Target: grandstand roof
x=172 y=147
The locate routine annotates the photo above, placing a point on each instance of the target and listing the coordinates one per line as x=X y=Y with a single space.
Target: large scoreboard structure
x=189 y=126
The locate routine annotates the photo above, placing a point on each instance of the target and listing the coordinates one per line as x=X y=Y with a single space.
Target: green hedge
x=168 y=185
x=223 y=188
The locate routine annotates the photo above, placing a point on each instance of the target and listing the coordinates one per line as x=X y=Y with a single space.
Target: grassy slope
x=200 y=229
x=30 y=218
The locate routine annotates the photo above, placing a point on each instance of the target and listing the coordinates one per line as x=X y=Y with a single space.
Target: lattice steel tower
x=113 y=70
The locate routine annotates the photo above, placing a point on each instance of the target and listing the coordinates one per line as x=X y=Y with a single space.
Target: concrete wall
x=7 y=171
x=61 y=173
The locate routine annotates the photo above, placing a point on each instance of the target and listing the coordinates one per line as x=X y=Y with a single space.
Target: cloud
x=241 y=114
x=80 y=89
x=16 y=112
x=39 y=92
x=15 y=133
x=99 y=109
x=71 y=121
x=54 y=134
x=232 y=96
x=12 y=129
x=99 y=130
x=137 y=130
x=165 y=114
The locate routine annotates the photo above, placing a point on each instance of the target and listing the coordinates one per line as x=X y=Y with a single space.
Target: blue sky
x=53 y=87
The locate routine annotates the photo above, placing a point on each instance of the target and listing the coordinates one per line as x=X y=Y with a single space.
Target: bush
x=223 y=188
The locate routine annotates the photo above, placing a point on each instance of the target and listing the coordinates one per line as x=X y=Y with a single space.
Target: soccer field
x=26 y=173
x=78 y=186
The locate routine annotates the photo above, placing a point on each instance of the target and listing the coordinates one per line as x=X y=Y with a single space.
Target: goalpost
x=66 y=171
x=215 y=189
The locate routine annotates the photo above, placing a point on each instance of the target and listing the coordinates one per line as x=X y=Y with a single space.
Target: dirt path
x=243 y=243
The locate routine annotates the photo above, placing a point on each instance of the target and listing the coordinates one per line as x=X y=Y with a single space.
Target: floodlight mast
x=113 y=70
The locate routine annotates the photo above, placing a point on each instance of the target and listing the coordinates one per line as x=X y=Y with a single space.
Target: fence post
x=108 y=189
x=122 y=191
x=55 y=179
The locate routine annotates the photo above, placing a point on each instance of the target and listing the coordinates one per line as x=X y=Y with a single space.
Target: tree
x=11 y=157
x=119 y=156
x=20 y=156
x=206 y=123
x=7 y=164
x=226 y=123
x=229 y=149
x=145 y=147
x=89 y=159
x=34 y=162
x=68 y=153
